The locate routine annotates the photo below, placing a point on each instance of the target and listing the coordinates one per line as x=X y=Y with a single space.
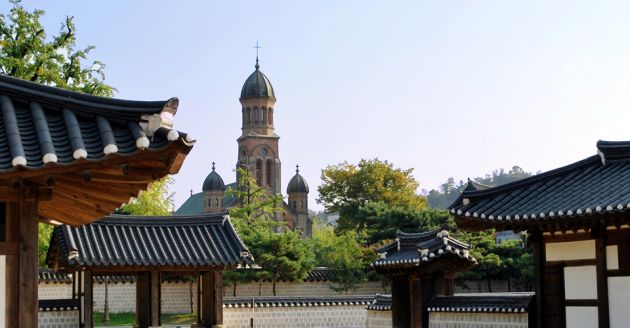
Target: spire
x=257 y=47
x=297 y=169
x=213 y=166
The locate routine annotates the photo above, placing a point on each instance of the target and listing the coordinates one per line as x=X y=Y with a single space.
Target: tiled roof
x=92 y=153
x=419 y=249
x=59 y=305
x=294 y=301
x=491 y=302
x=199 y=241
x=44 y=126
x=382 y=302
x=49 y=276
x=596 y=186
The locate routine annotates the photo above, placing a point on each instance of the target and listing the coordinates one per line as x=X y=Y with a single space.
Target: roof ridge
x=167 y=219
x=525 y=181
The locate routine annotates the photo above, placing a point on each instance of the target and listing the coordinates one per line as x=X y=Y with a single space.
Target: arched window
x=270 y=115
x=259 y=171
x=248 y=117
x=264 y=116
x=216 y=203
x=301 y=204
x=294 y=204
x=209 y=202
x=255 y=114
x=269 y=172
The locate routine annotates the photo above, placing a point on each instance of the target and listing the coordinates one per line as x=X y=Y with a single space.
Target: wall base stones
x=59 y=319
x=348 y=316
x=378 y=319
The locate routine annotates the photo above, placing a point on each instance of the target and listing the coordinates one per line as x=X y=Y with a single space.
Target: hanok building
x=67 y=157
x=259 y=152
x=421 y=266
x=149 y=248
x=577 y=220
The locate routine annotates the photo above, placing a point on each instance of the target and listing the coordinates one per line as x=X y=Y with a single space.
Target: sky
x=448 y=88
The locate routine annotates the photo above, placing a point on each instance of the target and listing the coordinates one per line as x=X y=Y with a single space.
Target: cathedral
x=258 y=152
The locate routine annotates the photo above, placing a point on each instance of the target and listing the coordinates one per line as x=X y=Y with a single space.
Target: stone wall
x=346 y=316
x=59 y=319
x=477 y=320
x=54 y=291
x=378 y=319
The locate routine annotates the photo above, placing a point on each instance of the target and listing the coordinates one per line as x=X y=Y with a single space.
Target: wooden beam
x=538 y=252
x=8 y=194
x=88 y=299
x=206 y=299
x=9 y=248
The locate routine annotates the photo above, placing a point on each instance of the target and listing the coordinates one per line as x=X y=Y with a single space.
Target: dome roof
x=297 y=183
x=213 y=182
x=257 y=85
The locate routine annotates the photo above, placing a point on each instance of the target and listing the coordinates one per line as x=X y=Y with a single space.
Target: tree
x=346 y=187
x=156 y=201
x=280 y=253
x=344 y=254
x=27 y=53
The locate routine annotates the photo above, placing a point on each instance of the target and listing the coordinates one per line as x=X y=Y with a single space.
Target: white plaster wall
x=582 y=317
x=378 y=319
x=477 y=320
x=612 y=257
x=618 y=301
x=310 y=288
x=58 y=319
x=580 y=282
x=573 y=250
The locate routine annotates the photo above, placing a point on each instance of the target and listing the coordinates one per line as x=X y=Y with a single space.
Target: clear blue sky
x=450 y=88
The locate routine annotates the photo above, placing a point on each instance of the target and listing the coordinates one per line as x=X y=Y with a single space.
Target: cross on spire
x=297 y=168
x=257 y=47
x=212 y=165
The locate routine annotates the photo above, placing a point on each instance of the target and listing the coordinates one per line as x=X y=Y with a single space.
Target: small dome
x=297 y=183
x=213 y=182
x=257 y=85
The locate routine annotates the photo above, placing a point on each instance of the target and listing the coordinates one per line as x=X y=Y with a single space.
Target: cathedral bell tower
x=258 y=143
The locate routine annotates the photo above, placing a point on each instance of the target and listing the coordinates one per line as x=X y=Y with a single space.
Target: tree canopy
x=346 y=187
x=156 y=201
x=28 y=53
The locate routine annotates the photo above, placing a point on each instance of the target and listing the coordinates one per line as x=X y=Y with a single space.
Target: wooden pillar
x=143 y=299
x=602 y=280
x=22 y=266
x=415 y=301
x=538 y=252
x=211 y=299
x=218 y=297
x=155 y=298
x=198 y=308
x=88 y=299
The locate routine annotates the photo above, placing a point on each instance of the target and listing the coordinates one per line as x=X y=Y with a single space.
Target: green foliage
x=156 y=201
x=281 y=254
x=344 y=254
x=346 y=187
x=446 y=194
x=27 y=53
x=383 y=221
x=44 y=234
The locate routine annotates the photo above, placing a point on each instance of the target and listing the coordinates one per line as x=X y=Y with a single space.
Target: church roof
x=125 y=241
x=297 y=183
x=257 y=85
x=213 y=182
x=195 y=205
x=598 y=186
